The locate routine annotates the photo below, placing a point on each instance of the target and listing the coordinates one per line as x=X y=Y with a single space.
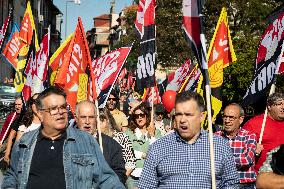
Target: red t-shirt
x=273 y=135
x=6 y=124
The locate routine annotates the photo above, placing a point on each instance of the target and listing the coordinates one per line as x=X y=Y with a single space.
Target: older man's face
x=276 y=110
x=232 y=119
x=86 y=118
x=53 y=113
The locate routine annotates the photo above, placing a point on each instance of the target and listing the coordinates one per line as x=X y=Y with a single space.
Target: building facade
x=45 y=14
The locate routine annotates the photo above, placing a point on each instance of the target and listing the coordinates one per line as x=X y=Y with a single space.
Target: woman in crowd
x=142 y=134
x=30 y=120
x=110 y=128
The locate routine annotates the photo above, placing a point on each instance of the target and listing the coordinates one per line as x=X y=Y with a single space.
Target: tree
x=247 y=20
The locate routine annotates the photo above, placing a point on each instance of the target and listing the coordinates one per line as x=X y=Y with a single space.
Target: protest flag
x=12 y=48
x=220 y=54
x=145 y=25
x=70 y=75
x=57 y=58
x=269 y=51
x=105 y=71
x=177 y=78
x=3 y=30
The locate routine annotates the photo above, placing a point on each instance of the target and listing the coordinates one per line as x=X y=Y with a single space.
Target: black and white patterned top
x=127 y=149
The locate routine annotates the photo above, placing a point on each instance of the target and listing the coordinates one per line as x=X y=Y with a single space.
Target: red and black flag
x=105 y=71
x=193 y=29
x=145 y=25
x=269 y=54
x=177 y=78
x=3 y=30
x=152 y=95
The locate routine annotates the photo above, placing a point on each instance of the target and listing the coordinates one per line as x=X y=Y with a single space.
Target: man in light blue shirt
x=182 y=159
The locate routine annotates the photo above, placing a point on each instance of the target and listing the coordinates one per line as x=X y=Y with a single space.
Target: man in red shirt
x=274 y=127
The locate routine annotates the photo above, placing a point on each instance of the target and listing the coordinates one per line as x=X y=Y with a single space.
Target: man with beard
x=274 y=127
x=86 y=121
x=181 y=159
x=56 y=156
x=119 y=117
x=242 y=142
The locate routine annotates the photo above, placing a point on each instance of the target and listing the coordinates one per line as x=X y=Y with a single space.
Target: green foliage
x=247 y=20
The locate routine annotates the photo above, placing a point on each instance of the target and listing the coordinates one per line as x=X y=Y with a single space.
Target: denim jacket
x=84 y=164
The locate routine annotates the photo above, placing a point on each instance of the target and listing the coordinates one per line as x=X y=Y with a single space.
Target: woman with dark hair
x=109 y=127
x=30 y=120
x=142 y=134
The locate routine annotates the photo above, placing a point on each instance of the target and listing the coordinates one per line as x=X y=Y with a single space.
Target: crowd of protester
x=124 y=146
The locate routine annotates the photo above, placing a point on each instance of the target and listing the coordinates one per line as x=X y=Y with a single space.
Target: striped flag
x=3 y=30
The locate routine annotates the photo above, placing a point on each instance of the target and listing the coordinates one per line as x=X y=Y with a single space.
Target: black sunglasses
x=113 y=99
x=136 y=116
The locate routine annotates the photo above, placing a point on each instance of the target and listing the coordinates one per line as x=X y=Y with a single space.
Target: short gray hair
x=274 y=97
x=242 y=111
x=81 y=103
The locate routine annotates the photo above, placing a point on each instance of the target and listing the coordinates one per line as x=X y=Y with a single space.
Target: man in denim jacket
x=54 y=156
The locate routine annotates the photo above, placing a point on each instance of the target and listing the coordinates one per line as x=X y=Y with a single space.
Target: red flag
x=41 y=65
x=130 y=80
x=4 y=29
x=36 y=69
x=74 y=66
x=179 y=76
x=29 y=71
x=192 y=28
x=58 y=56
x=148 y=96
x=105 y=71
x=280 y=64
x=12 y=49
x=193 y=81
x=266 y=66
x=121 y=75
x=28 y=26
x=145 y=15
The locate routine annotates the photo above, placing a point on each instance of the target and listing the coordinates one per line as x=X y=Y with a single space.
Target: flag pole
x=8 y=128
x=272 y=90
x=98 y=126
x=204 y=64
x=152 y=106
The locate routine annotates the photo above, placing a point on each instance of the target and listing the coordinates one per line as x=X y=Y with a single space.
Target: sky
x=87 y=10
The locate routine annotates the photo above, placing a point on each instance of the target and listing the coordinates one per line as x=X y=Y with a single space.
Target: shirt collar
x=224 y=134
x=41 y=136
x=200 y=137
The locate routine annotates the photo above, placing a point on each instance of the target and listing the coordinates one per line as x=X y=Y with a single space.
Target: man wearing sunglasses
x=56 y=156
x=119 y=117
x=242 y=142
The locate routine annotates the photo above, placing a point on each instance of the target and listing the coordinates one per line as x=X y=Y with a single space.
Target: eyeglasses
x=113 y=99
x=231 y=118
x=56 y=109
x=278 y=104
x=136 y=116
